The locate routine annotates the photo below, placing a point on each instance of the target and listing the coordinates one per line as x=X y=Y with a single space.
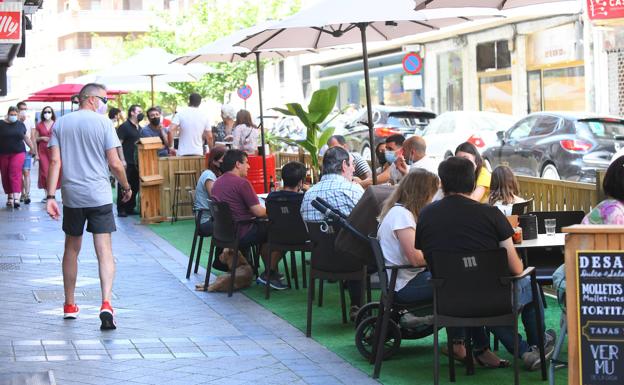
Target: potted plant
x=319 y=108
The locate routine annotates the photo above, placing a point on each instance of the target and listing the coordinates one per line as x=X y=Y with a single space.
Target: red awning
x=63 y=93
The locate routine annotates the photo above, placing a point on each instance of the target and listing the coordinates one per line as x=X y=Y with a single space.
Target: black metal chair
x=225 y=235
x=287 y=233
x=328 y=264
x=198 y=235
x=389 y=310
x=475 y=289
x=522 y=207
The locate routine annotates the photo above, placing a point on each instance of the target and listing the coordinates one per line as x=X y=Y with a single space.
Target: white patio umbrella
x=497 y=4
x=153 y=63
x=131 y=83
x=330 y=23
x=224 y=50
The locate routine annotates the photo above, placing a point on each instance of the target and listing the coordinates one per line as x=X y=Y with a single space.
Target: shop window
x=394 y=94
x=493 y=55
x=564 y=89
x=132 y=5
x=495 y=94
x=374 y=85
x=534 y=79
x=450 y=82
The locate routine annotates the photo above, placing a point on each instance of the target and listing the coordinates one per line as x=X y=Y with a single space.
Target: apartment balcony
x=105 y=21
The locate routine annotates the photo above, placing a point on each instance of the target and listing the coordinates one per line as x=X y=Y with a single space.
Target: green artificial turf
x=414 y=362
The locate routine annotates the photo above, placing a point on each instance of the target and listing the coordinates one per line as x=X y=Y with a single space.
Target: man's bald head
x=415 y=145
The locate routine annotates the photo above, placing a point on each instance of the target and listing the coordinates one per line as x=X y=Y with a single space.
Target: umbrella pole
x=264 y=167
x=369 y=110
x=152 y=87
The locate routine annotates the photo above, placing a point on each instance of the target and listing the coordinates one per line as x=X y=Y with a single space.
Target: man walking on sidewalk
x=84 y=144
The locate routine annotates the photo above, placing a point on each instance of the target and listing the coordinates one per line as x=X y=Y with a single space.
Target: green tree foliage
x=203 y=23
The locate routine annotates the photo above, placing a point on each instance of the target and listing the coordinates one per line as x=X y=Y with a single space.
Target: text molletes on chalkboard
x=600 y=278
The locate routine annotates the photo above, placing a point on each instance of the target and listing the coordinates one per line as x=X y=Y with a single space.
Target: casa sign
x=10 y=22
x=605 y=9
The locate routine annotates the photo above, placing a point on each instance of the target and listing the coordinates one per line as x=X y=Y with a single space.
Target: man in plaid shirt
x=336 y=186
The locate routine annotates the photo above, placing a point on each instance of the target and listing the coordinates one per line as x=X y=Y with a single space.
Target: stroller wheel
x=369 y=310
x=364 y=335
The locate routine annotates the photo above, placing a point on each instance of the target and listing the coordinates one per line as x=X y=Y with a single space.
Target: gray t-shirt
x=83 y=138
x=201 y=194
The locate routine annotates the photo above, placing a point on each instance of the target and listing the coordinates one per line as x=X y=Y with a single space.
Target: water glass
x=550 y=225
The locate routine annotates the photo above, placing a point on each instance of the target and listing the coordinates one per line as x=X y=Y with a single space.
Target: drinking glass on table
x=550 y=225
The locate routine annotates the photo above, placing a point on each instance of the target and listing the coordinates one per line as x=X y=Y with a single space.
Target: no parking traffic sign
x=412 y=63
x=244 y=92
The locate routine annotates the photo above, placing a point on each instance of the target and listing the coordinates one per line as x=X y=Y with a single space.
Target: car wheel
x=366 y=152
x=550 y=172
x=487 y=164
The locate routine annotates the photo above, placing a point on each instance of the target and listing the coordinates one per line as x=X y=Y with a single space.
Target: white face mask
x=47 y=116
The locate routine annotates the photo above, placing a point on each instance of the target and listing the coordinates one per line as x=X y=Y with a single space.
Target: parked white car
x=452 y=128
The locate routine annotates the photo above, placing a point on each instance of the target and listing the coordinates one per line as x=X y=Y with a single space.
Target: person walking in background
x=222 y=132
x=29 y=155
x=84 y=146
x=116 y=117
x=12 y=155
x=193 y=128
x=245 y=135
x=155 y=129
x=43 y=133
x=128 y=134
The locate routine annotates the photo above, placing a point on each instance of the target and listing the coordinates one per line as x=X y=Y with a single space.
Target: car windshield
x=407 y=119
x=601 y=129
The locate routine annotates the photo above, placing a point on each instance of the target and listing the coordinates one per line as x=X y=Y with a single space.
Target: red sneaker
x=70 y=311
x=107 y=316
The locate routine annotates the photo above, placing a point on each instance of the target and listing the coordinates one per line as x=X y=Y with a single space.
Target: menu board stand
x=594 y=259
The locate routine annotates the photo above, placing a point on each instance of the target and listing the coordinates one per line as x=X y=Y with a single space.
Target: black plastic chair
x=389 y=308
x=328 y=264
x=225 y=235
x=198 y=235
x=287 y=233
x=475 y=289
x=522 y=207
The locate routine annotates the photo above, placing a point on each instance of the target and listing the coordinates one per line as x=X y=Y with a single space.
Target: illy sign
x=10 y=23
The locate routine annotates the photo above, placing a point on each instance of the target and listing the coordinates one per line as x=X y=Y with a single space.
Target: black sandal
x=9 y=202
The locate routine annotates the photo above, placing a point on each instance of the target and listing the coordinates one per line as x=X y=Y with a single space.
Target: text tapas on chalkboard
x=600 y=282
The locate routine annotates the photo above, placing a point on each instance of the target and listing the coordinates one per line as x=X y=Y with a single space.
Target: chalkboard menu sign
x=600 y=283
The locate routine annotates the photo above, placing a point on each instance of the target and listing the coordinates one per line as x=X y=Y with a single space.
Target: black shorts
x=100 y=220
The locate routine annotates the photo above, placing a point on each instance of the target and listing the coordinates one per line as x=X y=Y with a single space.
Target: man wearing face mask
x=155 y=129
x=128 y=134
x=394 y=144
x=86 y=146
x=414 y=155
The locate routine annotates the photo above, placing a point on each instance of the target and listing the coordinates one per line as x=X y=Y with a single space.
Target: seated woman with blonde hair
x=397 y=234
x=504 y=189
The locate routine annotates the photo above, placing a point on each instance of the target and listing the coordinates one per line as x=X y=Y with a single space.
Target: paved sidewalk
x=167 y=333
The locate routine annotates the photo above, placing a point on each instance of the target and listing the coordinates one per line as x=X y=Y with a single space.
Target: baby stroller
x=397 y=321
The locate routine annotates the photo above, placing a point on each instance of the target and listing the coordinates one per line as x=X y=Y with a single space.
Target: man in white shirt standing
x=193 y=128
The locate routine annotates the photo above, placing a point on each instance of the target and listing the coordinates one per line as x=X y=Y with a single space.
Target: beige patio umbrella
x=330 y=23
x=224 y=50
x=497 y=4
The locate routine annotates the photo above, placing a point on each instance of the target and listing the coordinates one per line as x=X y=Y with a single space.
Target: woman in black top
x=12 y=155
